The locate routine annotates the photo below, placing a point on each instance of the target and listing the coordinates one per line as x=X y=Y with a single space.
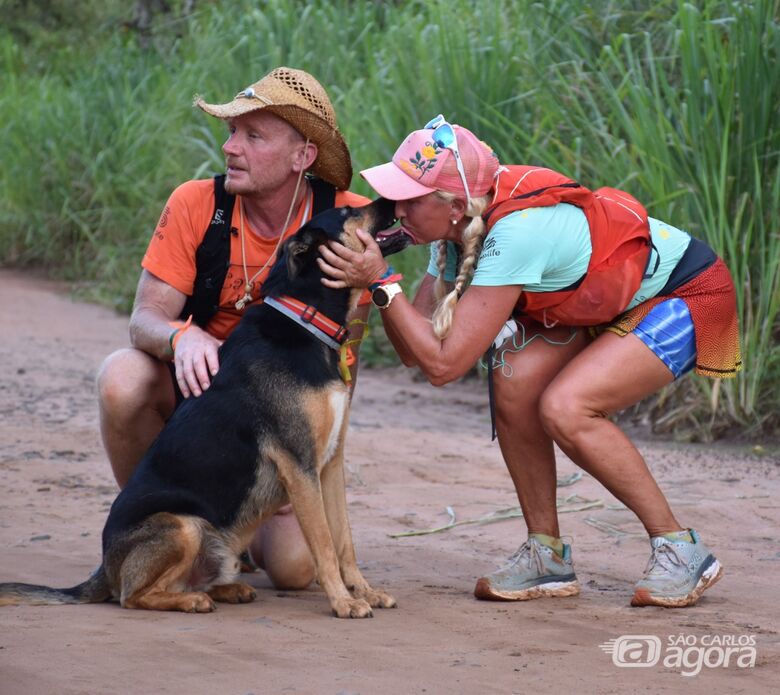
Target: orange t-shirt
x=170 y=255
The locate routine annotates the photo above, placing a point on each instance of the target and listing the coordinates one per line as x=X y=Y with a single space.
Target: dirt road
x=412 y=452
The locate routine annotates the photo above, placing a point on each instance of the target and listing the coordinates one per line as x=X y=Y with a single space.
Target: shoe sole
x=486 y=592
x=642 y=597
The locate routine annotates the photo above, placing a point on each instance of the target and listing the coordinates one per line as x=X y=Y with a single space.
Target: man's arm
x=156 y=305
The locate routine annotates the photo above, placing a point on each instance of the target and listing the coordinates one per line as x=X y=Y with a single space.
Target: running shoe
x=677 y=573
x=534 y=571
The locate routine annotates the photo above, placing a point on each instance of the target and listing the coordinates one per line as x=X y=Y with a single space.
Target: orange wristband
x=180 y=328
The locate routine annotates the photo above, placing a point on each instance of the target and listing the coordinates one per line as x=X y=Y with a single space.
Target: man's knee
x=130 y=379
x=293 y=572
x=280 y=548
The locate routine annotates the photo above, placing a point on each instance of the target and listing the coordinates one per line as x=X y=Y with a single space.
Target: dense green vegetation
x=676 y=102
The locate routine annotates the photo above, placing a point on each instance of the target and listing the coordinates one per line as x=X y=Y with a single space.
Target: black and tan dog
x=269 y=429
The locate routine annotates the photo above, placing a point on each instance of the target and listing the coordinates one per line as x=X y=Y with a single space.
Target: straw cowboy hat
x=296 y=97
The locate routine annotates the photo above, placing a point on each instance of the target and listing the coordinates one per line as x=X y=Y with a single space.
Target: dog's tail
x=95 y=590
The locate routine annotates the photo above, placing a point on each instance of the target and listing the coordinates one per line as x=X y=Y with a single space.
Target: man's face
x=262 y=153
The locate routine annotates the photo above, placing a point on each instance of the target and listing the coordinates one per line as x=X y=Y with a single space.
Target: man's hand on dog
x=196 y=361
x=347 y=268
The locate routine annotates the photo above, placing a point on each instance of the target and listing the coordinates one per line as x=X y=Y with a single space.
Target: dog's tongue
x=393 y=240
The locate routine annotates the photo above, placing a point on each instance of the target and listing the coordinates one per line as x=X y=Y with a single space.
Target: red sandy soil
x=412 y=451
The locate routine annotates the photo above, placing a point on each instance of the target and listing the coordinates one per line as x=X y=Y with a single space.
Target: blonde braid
x=440 y=286
x=473 y=236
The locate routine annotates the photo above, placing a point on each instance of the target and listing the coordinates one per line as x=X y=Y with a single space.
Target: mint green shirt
x=546 y=249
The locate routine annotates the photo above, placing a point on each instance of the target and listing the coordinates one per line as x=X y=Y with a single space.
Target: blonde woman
x=592 y=306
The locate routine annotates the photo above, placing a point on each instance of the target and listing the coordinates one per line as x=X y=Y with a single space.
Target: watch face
x=379 y=297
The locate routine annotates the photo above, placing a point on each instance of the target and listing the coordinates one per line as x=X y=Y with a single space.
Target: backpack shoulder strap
x=523 y=186
x=212 y=258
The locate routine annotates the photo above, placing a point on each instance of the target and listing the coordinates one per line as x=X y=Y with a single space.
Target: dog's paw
x=376 y=598
x=246 y=593
x=352 y=608
x=198 y=603
x=240 y=592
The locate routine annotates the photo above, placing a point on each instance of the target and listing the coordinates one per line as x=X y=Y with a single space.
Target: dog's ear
x=299 y=249
x=296 y=250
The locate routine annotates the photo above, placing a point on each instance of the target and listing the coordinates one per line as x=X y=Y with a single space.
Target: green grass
x=676 y=102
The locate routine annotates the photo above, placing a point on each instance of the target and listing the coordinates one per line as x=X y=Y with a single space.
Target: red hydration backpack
x=620 y=239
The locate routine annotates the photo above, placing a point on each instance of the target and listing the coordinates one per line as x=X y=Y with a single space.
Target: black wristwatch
x=383 y=295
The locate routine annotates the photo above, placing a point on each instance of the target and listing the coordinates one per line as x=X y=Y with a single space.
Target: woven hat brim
x=333 y=163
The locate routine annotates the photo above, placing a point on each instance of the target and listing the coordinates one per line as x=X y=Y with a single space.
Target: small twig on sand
x=611 y=529
x=572 y=503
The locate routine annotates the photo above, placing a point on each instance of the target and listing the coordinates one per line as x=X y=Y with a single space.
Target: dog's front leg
x=335 y=500
x=305 y=495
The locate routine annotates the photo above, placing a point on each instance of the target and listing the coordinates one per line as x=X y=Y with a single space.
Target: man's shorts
x=668 y=331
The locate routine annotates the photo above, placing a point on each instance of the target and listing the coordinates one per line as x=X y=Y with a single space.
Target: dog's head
x=338 y=224
x=296 y=271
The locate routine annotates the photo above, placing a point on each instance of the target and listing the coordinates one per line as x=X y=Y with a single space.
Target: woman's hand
x=346 y=268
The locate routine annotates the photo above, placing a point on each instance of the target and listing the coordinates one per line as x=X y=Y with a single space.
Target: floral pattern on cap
x=423 y=160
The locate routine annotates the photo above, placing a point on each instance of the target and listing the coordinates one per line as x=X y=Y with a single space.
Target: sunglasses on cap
x=444 y=136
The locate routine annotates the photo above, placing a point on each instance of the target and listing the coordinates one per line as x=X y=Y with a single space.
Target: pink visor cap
x=420 y=166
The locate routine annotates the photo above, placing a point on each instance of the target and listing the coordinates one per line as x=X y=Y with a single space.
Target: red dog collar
x=329 y=332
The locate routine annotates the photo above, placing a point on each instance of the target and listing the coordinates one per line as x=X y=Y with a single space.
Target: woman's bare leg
x=526 y=447
x=610 y=375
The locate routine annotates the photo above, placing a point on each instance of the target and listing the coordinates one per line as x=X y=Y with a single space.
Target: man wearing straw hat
x=278 y=129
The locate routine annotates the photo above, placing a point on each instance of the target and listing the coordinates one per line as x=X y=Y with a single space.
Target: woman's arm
x=425 y=299
x=478 y=317
x=425 y=302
